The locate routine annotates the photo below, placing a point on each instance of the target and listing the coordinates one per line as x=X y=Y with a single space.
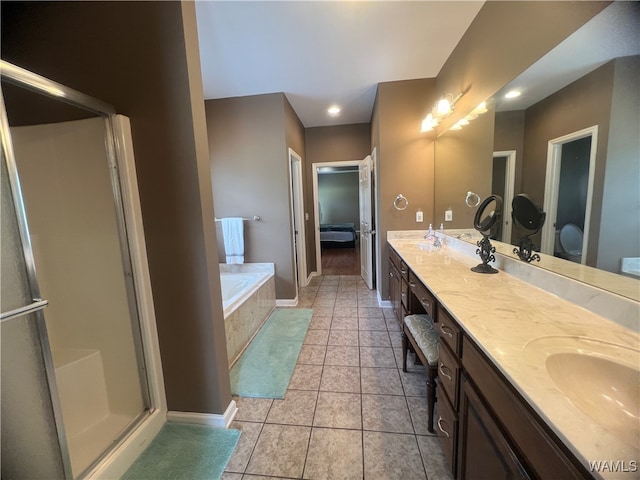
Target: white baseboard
x=311 y=275
x=384 y=303
x=287 y=302
x=211 y=419
x=118 y=461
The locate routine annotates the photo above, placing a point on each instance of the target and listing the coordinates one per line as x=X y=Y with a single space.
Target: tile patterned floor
x=350 y=412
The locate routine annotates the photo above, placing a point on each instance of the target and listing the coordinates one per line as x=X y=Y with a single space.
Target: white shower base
x=90 y=425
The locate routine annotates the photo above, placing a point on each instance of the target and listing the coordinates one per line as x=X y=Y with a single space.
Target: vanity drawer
x=449 y=374
x=449 y=331
x=404 y=294
x=404 y=270
x=447 y=427
x=422 y=295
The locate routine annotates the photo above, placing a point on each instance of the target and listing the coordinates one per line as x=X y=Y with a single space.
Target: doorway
x=568 y=194
x=502 y=184
x=339 y=226
x=298 y=219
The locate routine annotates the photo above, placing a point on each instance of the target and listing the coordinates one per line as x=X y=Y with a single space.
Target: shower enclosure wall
x=77 y=313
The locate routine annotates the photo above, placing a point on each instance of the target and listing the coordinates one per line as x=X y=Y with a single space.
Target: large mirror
x=570 y=141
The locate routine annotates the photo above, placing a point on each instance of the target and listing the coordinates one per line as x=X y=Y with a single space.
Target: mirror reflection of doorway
x=568 y=192
x=572 y=199
x=502 y=184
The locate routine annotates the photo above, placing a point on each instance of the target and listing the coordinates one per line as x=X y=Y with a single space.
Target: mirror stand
x=485 y=221
x=486 y=252
x=525 y=250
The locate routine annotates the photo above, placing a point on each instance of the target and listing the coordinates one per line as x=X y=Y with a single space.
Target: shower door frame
x=119 y=155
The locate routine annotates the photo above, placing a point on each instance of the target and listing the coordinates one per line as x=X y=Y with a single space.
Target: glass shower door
x=63 y=168
x=30 y=420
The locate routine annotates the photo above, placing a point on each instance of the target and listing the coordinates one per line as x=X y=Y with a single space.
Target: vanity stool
x=419 y=331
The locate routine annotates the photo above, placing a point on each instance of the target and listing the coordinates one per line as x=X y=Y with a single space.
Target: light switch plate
x=448 y=216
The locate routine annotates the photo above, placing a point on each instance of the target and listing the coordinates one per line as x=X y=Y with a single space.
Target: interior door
x=366 y=231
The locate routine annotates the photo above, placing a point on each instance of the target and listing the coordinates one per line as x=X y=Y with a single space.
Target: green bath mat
x=265 y=368
x=185 y=451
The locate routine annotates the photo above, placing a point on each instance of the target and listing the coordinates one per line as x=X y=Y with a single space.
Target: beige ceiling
x=325 y=52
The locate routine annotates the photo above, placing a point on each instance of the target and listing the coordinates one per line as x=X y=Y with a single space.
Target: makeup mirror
x=486 y=221
x=528 y=217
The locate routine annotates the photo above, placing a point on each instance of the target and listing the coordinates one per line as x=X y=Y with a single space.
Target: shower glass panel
x=28 y=423
x=76 y=236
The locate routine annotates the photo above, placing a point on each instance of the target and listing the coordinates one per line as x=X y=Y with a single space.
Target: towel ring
x=401 y=202
x=472 y=199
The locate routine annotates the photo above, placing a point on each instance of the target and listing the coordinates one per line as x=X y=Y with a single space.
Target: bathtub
x=248 y=298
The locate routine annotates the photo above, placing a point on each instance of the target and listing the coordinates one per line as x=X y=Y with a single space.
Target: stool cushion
x=425 y=334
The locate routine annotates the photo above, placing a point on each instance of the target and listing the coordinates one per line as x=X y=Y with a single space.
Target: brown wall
x=405 y=160
x=250 y=175
x=508 y=134
x=620 y=222
x=501 y=42
x=150 y=72
x=330 y=144
x=464 y=163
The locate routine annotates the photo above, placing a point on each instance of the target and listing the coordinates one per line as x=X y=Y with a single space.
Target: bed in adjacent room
x=337 y=235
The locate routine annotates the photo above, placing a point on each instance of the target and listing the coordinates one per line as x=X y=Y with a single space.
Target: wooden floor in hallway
x=341 y=261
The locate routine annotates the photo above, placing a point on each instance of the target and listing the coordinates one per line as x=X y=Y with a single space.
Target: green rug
x=265 y=368
x=185 y=451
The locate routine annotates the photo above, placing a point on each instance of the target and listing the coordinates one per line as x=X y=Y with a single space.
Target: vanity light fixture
x=475 y=113
x=334 y=110
x=441 y=109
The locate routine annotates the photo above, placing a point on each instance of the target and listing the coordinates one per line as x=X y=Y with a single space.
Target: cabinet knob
x=425 y=303
x=446 y=434
x=446 y=330
x=412 y=285
x=443 y=373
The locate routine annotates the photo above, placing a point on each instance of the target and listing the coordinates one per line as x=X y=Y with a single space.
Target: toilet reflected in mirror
x=569 y=243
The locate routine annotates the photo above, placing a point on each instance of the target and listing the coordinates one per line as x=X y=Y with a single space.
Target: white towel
x=233 y=233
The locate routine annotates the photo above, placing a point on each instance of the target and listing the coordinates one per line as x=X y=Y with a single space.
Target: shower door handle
x=17 y=312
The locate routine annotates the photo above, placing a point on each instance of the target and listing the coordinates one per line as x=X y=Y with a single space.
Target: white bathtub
x=248 y=297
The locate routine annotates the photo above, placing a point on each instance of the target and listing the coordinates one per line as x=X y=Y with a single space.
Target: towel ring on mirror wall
x=472 y=199
x=401 y=202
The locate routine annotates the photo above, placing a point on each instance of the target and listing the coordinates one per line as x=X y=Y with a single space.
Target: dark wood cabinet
x=485 y=452
x=486 y=428
x=395 y=285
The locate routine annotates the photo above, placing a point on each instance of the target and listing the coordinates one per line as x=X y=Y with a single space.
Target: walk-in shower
x=74 y=359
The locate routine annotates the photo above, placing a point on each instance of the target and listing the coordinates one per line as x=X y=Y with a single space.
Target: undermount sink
x=601 y=379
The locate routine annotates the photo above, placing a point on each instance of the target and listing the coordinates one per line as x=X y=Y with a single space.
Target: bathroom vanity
x=530 y=385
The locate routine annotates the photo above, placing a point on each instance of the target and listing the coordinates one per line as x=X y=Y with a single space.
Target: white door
x=366 y=232
x=507 y=193
x=297 y=214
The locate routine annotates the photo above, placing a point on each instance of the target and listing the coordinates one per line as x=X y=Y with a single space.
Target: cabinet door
x=395 y=290
x=484 y=452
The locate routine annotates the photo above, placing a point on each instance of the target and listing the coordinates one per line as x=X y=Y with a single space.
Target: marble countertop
x=507 y=317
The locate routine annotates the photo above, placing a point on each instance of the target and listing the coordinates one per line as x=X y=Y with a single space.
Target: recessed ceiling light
x=334 y=111
x=513 y=94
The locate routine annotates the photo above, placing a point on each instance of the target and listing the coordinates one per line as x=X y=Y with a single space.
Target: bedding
x=338 y=235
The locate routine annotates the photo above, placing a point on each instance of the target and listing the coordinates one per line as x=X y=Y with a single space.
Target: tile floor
x=350 y=412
